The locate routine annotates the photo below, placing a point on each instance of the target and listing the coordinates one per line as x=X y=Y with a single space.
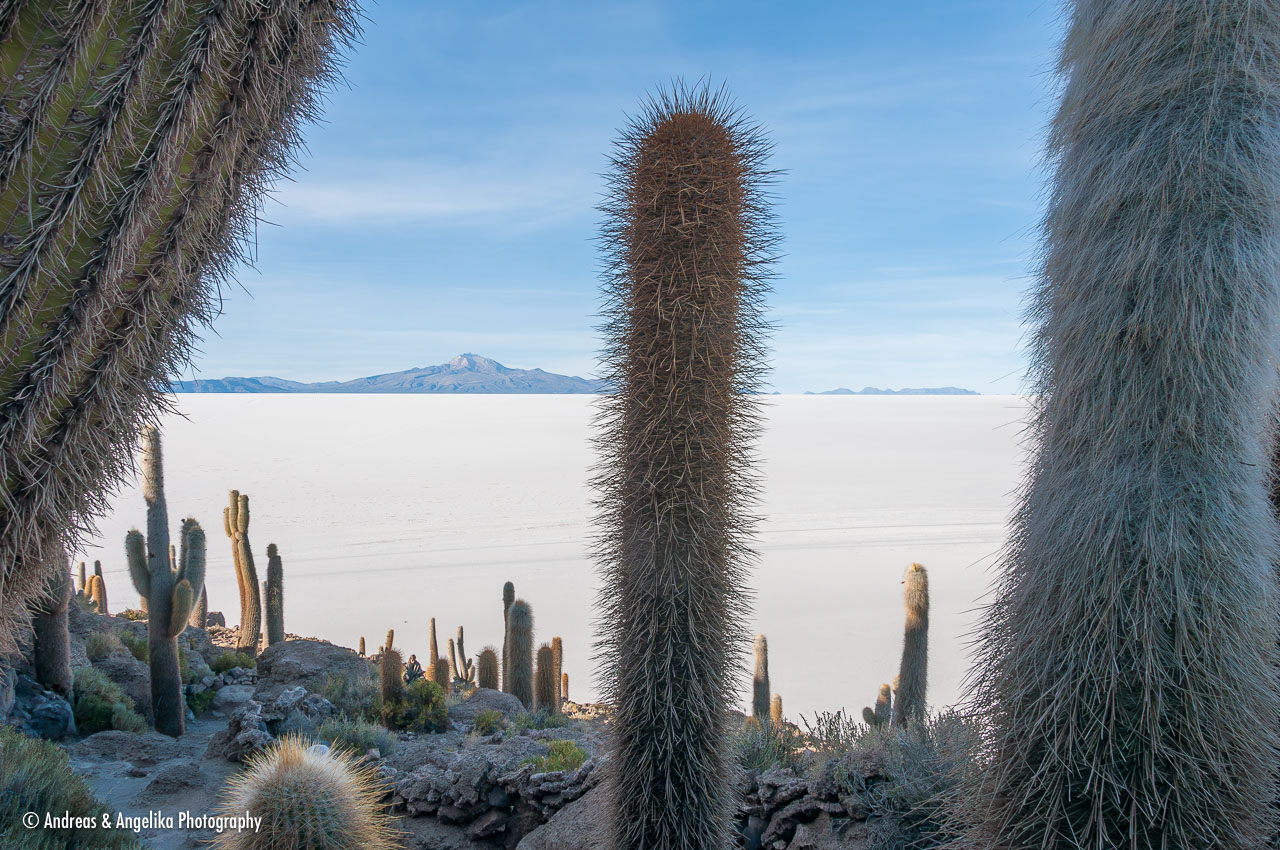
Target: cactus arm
x=193 y=568
x=182 y=602
x=135 y=553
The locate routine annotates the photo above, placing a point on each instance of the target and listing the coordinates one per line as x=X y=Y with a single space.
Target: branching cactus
x=1127 y=663
x=137 y=140
x=760 y=681
x=487 y=668
x=909 y=702
x=235 y=521
x=169 y=591
x=98 y=593
x=508 y=599
x=51 y=652
x=557 y=653
x=544 y=684
x=882 y=714
x=520 y=646
x=689 y=240
x=466 y=667
x=275 y=596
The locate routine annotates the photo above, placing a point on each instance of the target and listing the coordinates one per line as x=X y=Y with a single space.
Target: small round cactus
x=487 y=668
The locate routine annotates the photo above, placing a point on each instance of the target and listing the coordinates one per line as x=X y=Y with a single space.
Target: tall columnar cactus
x=520 y=649
x=391 y=639
x=440 y=675
x=135 y=141
x=274 y=592
x=564 y=686
x=557 y=652
x=508 y=599
x=776 y=718
x=909 y=703
x=235 y=522
x=466 y=667
x=452 y=659
x=544 y=681
x=487 y=668
x=98 y=593
x=362 y=647
x=82 y=581
x=1128 y=660
x=434 y=647
x=689 y=241
x=760 y=680
x=168 y=587
x=51 y=652
x=390 y=676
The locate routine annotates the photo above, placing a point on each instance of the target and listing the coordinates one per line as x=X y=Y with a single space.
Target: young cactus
x=909 y=702
x=390 y=676
x=170 y=591
x=361 y=647
x=51 y=651
x=775 y=711
x=440 y=675
x=275 y=596
x=882 y=714
x=557 y=653
x=487 y=668
x=235 y=521
x=564 y=686
x=760 y=681
x=98 y=593
x=544 y=681
x=688 y=239
x=520 y=647
x=82 y=581
x=391 y=639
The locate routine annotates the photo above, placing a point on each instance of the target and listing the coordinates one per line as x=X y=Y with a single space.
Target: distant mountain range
x=906 y=391
x=466 y=373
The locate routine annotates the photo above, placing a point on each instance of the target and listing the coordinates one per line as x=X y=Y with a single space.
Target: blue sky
x=447 y=201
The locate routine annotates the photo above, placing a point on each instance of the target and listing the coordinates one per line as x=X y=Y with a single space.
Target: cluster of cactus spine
x=760 y=680
x=689 y=239
x=273 y=589
x=235 y=522
x=51 y=652
x=137 y=140
x=508 y=599
x=520 y=651
x=169 y=587
x=544 y=681
x=487 y=668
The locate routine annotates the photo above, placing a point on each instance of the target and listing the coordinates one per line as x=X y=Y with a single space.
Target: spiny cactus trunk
x=487 y=668
x=520 y=647
x=564 y=686
x=51 y=654
x=508 y=598
x=557 y=653
x=236 y=522
x=776 y=718
x=1128 y=662
x=136 y=140
x=82 y=580
x=452 y=658
x=98 y=593
x=440 y=675
x=544 y=681
x=434 y=647
x=910 y=703
x=199 y=618
x=166 y=585
x=688 y=235
x=760 y=681
x=361 y=647
x=274 y=593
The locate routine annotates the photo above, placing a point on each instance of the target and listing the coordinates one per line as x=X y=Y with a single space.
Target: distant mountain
x=906 y=391
x=466 y=373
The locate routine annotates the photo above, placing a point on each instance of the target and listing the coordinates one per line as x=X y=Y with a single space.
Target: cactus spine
x=1127 y=662
x=544 y=681
x=235 y=520
x=275 y=596
x=688 y=239
x=520 y=647
x=51 y=655
x=909 y=702
x=487 y=668
x=557 y=652
x=98 y=593
x=508 y=599
x=137 y=140
x=167 y=586
x=760 y=681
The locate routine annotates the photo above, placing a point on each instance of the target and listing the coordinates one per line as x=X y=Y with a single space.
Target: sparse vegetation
x=561 y=755
x=100 y=645
x=358 y=735
x=421 y=707
x=488 y=721
x=355 y=697
x=100 y=704
x=760 y=746
x=136 y=644
x=230 y=659
x=199 y=702
x=539 y=719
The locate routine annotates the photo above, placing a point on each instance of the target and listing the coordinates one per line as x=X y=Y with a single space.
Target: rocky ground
x=454 y=790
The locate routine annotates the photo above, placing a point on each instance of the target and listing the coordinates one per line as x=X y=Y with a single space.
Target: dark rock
x=52 y=719
x=308 y=663
x=133 y=677
x=486 y=699
x=578 y=826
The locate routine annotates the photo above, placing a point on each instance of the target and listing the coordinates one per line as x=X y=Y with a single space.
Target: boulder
x=308 y=663
x=52 y=719
x=578 y=826
x=149 y=748
x=173 y=778
x=486 y=699
x=230 y=697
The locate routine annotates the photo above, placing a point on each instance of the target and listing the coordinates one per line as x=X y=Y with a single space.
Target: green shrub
x=541 y=719
x=488 y=721
x=762 y=746
x=133 y=614
x=100 y=704
x=561 y=755
x=358 y=735
x=36 y=777
x=421 y=709
x=100 y=645
x=228 y=660
x=199 y=702
x=136 y=644
x=355 y=697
